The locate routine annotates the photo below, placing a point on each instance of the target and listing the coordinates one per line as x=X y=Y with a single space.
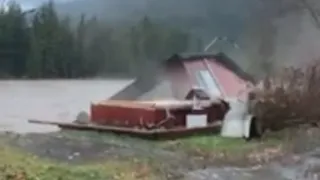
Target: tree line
x=41 y=44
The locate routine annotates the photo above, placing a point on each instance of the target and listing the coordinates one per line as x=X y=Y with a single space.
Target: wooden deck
x=154 y=134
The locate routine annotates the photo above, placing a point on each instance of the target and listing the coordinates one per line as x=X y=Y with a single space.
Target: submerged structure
x=176 y=76
x=186 y=94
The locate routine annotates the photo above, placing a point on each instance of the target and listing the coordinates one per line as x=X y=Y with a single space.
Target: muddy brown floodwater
x=62 y=100
x=58 y=100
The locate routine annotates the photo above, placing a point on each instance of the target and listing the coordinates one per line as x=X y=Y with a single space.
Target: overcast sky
x=27 y=4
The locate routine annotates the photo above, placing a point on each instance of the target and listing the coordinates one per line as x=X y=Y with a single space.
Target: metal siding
x=122 y=116
x=137 y=115
x=230 y=82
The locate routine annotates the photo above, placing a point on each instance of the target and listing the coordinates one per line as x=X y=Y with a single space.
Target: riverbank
x=83 y=155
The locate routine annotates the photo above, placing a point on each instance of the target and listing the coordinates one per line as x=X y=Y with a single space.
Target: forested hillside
x=101 y=37
x=204 y=18
x=266 y=31
x=47 y=46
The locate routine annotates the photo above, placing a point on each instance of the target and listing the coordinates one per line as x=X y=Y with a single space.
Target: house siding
x=230 y=82
x=180 y=76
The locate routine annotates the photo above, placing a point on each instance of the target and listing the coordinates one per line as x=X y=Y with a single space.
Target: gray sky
x=27 y=4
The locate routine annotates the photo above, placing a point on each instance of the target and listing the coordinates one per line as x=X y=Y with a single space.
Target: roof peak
x=220 y=58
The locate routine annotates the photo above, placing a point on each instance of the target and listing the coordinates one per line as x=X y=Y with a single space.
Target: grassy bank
x=211 y=149
x=16 y=164
x=206 y=144
x=105 y=156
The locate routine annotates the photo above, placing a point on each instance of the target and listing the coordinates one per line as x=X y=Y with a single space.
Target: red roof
x=176 y=76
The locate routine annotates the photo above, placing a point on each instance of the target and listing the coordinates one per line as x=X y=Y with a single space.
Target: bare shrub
x=289 y=97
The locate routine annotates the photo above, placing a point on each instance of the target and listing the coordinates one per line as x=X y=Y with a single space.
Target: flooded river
x=58 y=100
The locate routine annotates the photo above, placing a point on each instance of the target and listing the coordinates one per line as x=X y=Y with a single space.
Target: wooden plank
x=157 y=104
x=91 y=126
x=142 y=133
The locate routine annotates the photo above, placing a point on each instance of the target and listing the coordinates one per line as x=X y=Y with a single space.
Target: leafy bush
x=289 y=97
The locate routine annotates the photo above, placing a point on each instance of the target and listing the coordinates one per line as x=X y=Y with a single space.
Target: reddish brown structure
x=153 y=115
x=174 y=79
x=141 y=109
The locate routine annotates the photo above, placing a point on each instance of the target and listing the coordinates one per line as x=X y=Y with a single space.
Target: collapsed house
x=185 y=94
x=176 y=76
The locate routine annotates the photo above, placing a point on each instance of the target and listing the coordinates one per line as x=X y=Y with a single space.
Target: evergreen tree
x=13 y=41
x=50 y=47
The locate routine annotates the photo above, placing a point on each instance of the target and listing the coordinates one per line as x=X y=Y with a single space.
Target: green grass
x=218 y=143
x=225 y=149
x=17 y=165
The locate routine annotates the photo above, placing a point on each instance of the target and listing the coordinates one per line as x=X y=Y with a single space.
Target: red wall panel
x=122 y=116
x=229 y=81
x=141 y=117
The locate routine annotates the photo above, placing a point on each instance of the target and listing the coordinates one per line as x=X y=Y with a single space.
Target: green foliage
x=46 y=46
x=17 y=165
x=217 y=144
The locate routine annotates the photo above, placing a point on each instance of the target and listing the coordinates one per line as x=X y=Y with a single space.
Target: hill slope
x=206 y=18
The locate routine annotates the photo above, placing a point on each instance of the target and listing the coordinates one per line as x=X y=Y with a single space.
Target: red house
x=173 y=80
x=175 y=77
x=159 y=102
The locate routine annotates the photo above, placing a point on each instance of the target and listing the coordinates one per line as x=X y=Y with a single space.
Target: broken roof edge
x=142 y=83
x=220 y=58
